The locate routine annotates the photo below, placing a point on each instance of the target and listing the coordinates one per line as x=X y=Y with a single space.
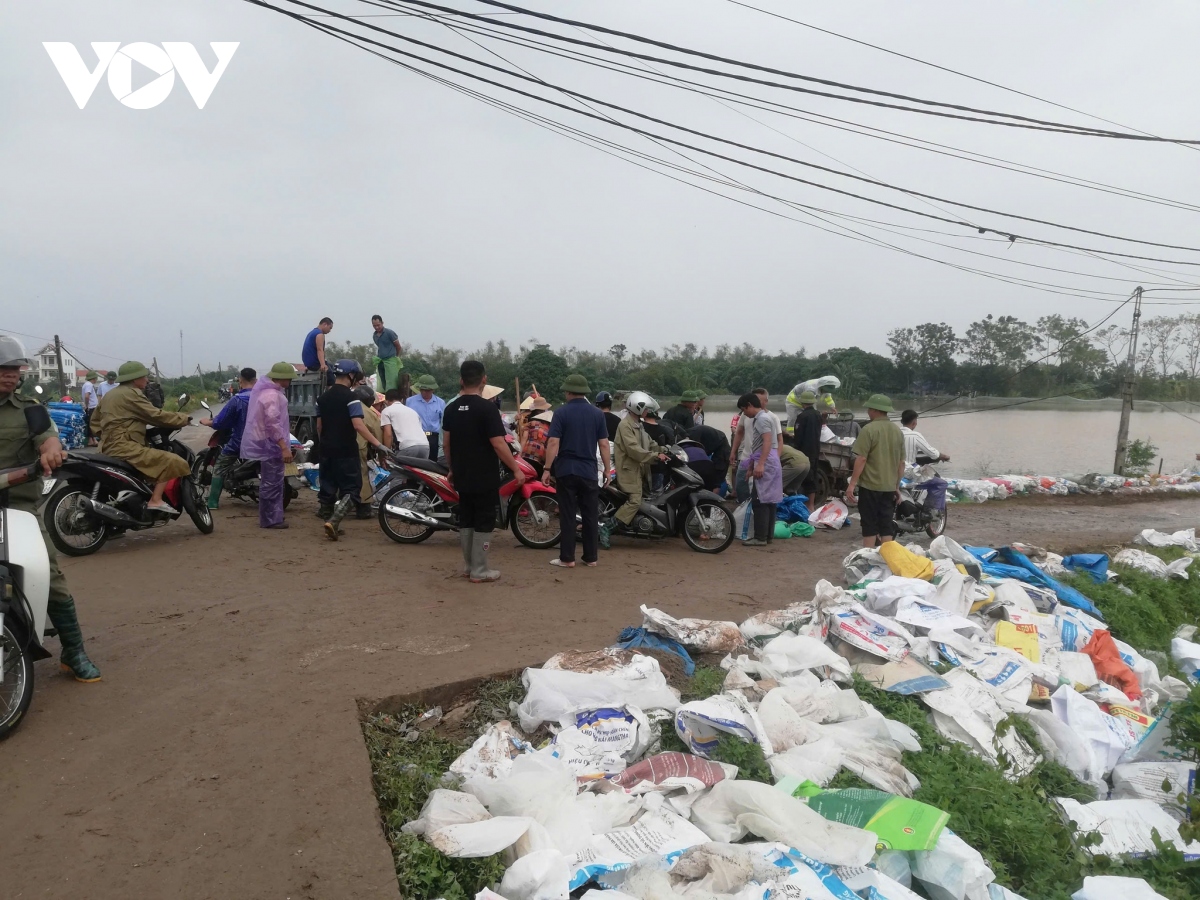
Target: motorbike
x=101 y=496
x=242 y=481
x=922 y=504
x=683 y=508
x=418 y=499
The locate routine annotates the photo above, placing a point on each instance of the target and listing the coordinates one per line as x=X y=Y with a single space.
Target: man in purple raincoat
x=267 y=439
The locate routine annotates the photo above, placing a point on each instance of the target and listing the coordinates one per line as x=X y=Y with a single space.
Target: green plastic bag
x=782 y=530
x=801 y=529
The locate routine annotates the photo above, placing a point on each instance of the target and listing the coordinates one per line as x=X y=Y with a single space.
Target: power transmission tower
x=62 y=384
x=1127 y=387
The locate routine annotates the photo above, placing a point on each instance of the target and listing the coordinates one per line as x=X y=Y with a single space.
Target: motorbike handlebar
x=20 y=475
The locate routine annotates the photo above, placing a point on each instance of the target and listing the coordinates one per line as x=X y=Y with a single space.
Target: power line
x=1018 y=121
x=1004 y=232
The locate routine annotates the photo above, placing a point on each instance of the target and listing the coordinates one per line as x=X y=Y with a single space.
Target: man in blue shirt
x=313 y=352
x=577 y=431
x=231 y=420
x=387 y=355
x=430 y=407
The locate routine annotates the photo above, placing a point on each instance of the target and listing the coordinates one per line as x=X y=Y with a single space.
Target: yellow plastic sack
x=905 y=563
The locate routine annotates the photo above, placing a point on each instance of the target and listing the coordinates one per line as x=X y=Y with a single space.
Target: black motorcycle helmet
x=604 y=400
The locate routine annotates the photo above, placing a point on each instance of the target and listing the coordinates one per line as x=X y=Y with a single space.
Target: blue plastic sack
x=1095 y=564
x=1009 y=563
x=638 y=638
x=792 y=509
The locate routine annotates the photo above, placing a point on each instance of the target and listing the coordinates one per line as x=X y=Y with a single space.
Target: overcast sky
x=320 y=180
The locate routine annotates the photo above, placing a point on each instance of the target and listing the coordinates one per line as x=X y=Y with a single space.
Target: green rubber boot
x=73 y=658
x=214 y=492
x=340 y=509
x=465 y=537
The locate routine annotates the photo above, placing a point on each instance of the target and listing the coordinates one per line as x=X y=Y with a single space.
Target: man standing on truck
x=387 y=355
x=313 y=354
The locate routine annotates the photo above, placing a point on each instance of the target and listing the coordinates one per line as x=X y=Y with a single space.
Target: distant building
x=45 y=367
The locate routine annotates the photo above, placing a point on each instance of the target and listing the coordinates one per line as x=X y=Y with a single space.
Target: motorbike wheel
x=708 y=527
x=73 y=531
x=936 y=526
x=16 y=682
x=399 y=530
x=195 y=506
x=535 y=521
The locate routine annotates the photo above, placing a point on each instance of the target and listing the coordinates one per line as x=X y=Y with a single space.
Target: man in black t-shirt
x=473 y=439
x=339 y=423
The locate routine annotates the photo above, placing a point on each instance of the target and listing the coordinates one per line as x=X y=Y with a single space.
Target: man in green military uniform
x=121 y=421
x=634 y=452
x=683 y=414
x=20 y=448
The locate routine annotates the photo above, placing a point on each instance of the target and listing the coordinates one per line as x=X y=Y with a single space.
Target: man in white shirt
x=915 y=445
x=402 y=427
x=110 y=382
x=741 y=443
x=91 y=399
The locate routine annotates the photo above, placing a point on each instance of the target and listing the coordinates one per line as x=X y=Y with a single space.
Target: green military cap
x=808 y=397
x=131 y=371
x=282 y=371
x=880 y=403
x=92 y=375
x=575 y=384
x=426 y=383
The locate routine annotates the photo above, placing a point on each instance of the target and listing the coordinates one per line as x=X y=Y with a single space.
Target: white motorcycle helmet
x=639 y=403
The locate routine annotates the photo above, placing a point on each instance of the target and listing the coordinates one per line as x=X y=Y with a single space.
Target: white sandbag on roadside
x=790 y=654
x=999 y=892
x=701 y=723
x=733 y=809
x=872 y=883
x=1126 y=826
x=1078 y=668
x=541 y=875
x=1187 y=656
x=1146 y=780
x=883 y=596
x=1105 y=738
x=457 y=825
x=1150 y=564
x=658 y=833
x=552 y=694
x=969 y=713
x=701 y=635
x=492 y=753
x=1185 y=539
x=952 y=870
x=817 y=761
x=1067 y=748
x=876 y=634
x=444 y=807
x=1115 y=887
x=766 y=625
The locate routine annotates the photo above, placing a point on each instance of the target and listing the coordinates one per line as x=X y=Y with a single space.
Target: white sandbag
x=536 y=786
x=999 y=892
x=1187 y=655
x=925 y=617
x=817 y=761
x=832 y=515
x=882 y=596
x=541 y=875
x=1076 y=628
x=1150 y=564
x=859 y=627
x=552 y=695
x=952 y=870
x=1126 y=826
x=658 y=833
x=768 y=624
x=473 y=840
x=785 y=727
x=968 y=712
x=1067 y=748
x=701 y=635
x=1115 y=887
x=867 y=882
x=1006 y=672
x=1185 y=539
x=1105 y=737
x=789 y=654
x=823 y=702
x=586 y=757
x=701 y=723
x=1145 y=781
x=492 y=753
x=1078 y=668
x=942 y=547
x=733 y=809
x=954 y=593
x=863 y=564
x=443 y=808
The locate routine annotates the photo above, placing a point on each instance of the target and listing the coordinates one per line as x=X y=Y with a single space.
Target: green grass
x=705 y=681
x=404 y=773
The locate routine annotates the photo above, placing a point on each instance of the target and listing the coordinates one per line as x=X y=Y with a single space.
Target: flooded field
x=1045 y=438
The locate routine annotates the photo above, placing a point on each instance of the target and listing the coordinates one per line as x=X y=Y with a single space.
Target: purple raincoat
x=266 y=421
x=770 y=487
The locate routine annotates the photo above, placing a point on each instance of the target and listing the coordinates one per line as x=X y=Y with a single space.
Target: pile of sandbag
x=977 y=634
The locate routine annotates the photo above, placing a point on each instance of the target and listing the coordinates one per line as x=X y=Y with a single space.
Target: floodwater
x=1045 y=438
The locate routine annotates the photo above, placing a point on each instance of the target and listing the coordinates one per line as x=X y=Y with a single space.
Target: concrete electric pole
x=1127 y=387
x=62 y=384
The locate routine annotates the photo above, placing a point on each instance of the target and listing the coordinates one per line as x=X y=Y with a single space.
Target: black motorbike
x=242 y=482
x=97 y=497
x=684 y=508
x=923 y=503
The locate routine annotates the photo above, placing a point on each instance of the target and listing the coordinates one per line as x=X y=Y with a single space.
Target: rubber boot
x=340 y=509
x=324 y=511
x=363 y=511
x=214 y=492
x=465 y=537
x=481 y=541
x=606 y=535
x=73 y=658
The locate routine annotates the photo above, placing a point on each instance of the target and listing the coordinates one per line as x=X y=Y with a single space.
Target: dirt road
x=221 y=755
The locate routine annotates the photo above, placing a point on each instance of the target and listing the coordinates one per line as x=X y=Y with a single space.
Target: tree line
x=1000 y=356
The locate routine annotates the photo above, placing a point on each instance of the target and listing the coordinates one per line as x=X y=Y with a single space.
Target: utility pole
x=181 y=372
x=1127 y=386
x=62 y=384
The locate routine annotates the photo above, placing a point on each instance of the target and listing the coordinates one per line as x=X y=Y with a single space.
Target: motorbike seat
x=99 y=458
x=420 y=462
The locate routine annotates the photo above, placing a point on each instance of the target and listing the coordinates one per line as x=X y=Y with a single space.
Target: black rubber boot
x=73 y=658
x=324 y=511
x=363 y=511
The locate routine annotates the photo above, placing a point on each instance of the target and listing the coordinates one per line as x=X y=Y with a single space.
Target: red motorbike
x=418 y=499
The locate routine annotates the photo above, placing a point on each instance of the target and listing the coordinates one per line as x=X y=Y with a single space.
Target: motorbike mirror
x=37 y=417
x=204 y=403
x=183 y=398
x=37 y=389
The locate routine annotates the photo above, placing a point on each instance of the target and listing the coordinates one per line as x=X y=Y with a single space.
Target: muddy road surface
x=221 y=755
